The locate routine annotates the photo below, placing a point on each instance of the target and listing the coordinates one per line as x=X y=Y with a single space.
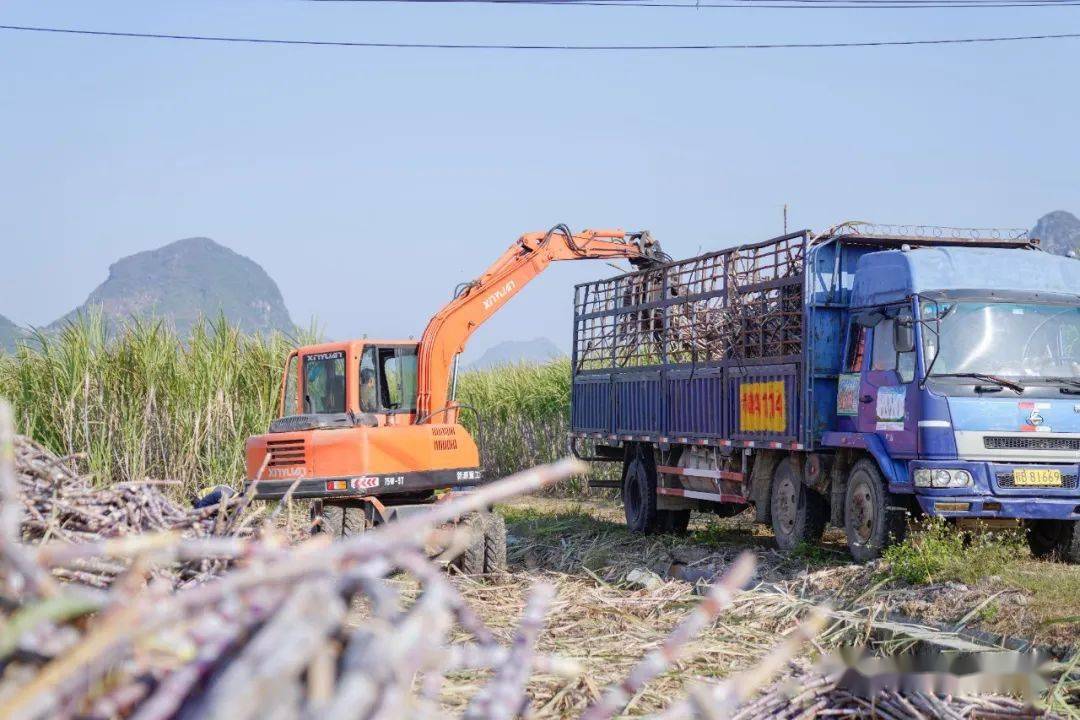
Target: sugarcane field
x=539 y=360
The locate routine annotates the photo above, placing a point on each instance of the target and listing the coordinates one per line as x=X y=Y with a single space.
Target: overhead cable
x=543 y=46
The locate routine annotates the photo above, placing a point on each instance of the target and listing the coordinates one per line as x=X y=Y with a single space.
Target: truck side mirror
x=903 y=336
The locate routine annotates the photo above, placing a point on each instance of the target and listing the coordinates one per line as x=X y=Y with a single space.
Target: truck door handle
x=866 y=399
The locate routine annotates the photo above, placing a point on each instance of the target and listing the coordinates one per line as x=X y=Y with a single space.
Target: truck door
x=888 y=400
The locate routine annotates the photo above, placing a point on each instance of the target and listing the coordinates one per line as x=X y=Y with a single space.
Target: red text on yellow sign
x=762 y=407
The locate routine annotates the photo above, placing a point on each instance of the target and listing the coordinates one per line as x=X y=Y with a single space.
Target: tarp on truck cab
x=889 y=276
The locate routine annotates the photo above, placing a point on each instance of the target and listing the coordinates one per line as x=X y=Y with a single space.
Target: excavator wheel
x=494 y=543
x=486 y=554
x=471 y=562
x=341 y=521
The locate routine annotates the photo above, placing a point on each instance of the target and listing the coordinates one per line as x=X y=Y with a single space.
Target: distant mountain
x=513 y=352
x=184 y=281
x=10 y=333
x=1059 y=232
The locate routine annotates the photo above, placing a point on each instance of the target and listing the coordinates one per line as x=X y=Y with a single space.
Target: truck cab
x=961 y=377
x=347 y=428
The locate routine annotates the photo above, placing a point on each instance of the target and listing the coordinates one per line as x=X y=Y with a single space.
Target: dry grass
x=1024 y=598
x=607 y=624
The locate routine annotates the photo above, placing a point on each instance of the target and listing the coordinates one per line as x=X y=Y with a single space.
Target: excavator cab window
x=324 y=382
x=369 y=391
x=397 y=371
x=290 y=400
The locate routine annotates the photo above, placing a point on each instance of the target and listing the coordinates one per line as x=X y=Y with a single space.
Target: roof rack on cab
x=858 y=231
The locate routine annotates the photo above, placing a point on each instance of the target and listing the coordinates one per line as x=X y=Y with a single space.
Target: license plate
x=1036 y=478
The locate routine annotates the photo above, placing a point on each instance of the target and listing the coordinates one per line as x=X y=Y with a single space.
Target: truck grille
x=1005 y=480
x=285 y=452
x=1003 y=442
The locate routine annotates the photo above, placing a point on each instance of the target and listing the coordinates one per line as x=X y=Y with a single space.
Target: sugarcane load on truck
x=856 y=377
x=370 y=429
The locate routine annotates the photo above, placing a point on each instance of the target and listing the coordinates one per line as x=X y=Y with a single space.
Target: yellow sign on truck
x=762 y=406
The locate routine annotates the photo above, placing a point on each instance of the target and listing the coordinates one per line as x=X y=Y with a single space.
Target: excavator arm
x=474 y=302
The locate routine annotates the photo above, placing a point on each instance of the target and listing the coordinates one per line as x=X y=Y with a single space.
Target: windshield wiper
x=1011 y=384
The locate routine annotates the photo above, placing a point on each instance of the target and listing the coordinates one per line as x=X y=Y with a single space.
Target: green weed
x=936 y=551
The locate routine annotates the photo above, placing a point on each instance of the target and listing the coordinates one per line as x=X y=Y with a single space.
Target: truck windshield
x=1022 y=340
x=324 y=382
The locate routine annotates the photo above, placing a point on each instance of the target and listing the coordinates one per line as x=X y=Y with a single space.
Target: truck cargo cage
x=738 y=304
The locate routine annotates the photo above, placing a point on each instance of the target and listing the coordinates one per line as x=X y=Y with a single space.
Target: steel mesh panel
x=743 y=303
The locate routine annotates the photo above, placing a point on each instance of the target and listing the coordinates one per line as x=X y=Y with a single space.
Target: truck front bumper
x=993 y=494
x=366 y=485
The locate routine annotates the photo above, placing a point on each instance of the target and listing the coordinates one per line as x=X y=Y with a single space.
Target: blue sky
x=369 y=182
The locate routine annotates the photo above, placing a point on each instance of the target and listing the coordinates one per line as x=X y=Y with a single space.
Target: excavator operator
x=368 y=394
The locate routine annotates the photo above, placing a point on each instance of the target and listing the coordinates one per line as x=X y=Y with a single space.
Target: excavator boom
x=450 y=328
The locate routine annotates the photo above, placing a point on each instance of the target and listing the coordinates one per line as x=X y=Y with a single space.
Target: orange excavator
x=370 y=429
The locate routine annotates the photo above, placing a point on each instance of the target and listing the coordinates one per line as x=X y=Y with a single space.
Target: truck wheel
x=471 y=562
x=494 y=544
x=798 y=513
x=639 y=496
x=869 y=523
x=1047 y=538
x=341 y=521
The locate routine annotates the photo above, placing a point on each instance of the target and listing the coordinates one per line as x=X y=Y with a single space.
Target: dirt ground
x=620 y=594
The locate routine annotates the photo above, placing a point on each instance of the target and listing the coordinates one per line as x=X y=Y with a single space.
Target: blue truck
x=858 y=377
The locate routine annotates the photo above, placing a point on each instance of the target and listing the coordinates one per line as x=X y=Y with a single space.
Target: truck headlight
x=942 y=478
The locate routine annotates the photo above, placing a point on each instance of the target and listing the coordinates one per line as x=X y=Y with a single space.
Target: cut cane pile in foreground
x=64 y=510
x=267 y=636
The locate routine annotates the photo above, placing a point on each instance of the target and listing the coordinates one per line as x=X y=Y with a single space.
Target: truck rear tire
x=870 y=523
x=798 y=513
x=1048 y=538
x=639 y=495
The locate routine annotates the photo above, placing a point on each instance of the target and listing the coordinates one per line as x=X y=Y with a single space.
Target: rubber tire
x=639 y=495
x=889 y=527
x=810 y=512
x=340 y=521
x=471 y=561
x=1050 y=538
x=673 y=521
x=494 y=544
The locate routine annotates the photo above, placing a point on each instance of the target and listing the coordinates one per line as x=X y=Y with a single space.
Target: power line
x=528 y=46
x=750 y=4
